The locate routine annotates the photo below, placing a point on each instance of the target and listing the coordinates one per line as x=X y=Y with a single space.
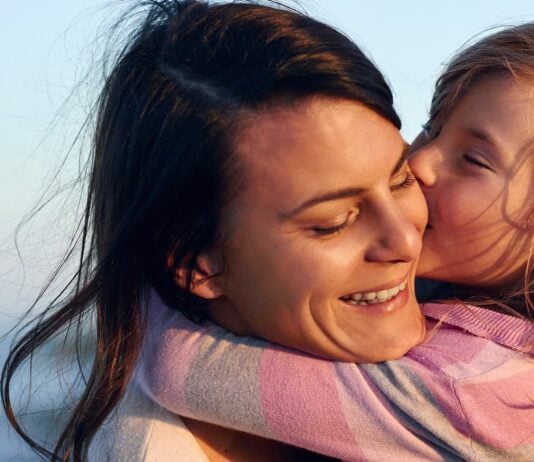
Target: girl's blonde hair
x=507 y=53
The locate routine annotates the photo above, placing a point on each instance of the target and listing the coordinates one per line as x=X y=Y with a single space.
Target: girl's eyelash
x=408 y=181
x=473 y=161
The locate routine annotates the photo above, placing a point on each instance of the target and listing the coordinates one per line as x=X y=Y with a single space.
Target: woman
x=466 y=392
x=235 y=144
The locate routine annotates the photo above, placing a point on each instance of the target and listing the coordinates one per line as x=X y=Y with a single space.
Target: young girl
x=248 y=166
x=467 y=392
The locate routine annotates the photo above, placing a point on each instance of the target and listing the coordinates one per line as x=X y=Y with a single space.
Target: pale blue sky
x=45 y=46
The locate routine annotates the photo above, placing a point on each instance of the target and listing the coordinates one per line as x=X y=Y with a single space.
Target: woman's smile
x=378 y=296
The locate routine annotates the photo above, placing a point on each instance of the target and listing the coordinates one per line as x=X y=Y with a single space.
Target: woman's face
x=477 y=178
x=325 y=235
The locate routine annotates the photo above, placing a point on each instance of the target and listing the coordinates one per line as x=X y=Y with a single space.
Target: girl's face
x=477 y=178
x=325 y=235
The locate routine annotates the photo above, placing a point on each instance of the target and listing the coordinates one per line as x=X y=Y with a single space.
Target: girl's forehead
x=500 y=111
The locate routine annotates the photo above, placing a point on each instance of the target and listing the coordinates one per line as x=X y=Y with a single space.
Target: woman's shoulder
x=141 y=431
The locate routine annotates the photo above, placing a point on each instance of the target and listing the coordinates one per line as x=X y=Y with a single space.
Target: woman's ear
x=206 y=281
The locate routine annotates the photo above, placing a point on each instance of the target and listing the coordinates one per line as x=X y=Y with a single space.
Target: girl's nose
x=424 y=164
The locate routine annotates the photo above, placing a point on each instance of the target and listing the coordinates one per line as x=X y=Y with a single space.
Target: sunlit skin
x=329 y=208
x=477 y=178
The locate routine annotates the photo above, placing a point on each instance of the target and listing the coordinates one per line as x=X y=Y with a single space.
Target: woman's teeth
x=370 y=298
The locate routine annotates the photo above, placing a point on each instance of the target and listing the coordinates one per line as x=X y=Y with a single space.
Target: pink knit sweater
x=467 y=393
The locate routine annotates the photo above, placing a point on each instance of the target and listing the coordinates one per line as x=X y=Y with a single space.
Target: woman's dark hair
x=163 y=167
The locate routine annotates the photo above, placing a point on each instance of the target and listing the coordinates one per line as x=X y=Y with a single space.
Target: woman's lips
x=374 y=297
x=390 y=305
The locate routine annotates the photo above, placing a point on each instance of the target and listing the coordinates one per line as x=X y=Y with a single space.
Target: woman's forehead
x=320 y=146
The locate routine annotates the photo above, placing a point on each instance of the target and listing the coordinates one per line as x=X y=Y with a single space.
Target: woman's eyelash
x=408 y=181
x=331 y=230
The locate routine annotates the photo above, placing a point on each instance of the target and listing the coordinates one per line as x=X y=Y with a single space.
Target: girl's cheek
x=453 y=212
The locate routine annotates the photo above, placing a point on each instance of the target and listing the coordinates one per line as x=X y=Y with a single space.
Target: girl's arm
x=403 y=409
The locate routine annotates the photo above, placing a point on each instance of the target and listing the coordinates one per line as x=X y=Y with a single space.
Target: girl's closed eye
x=336 y=229
x=475 y=161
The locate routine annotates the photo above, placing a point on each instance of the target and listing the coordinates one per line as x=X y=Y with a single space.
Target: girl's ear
x=206 y=280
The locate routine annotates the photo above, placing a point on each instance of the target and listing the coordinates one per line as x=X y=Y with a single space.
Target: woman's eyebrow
x=324 y=197
x=402 y=159
x=340 y=193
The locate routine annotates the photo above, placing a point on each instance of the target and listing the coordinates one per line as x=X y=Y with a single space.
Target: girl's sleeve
x=343 y=410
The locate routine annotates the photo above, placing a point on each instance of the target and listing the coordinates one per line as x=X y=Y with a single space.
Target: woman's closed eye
x=408 y=181
x=330 y=230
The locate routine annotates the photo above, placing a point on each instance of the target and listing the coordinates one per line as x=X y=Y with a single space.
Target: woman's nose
x=425 y=164
x=398 y=238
